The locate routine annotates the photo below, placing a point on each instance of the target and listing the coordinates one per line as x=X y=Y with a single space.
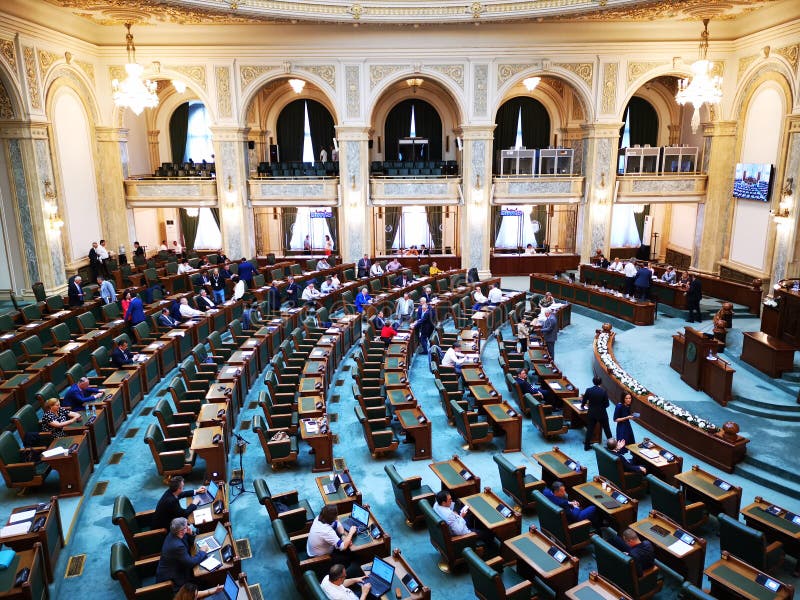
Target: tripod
x=237 y=483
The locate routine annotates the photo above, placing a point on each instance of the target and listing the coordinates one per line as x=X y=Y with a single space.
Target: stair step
x=769 y=476
x=791 y=376
x=769 y=406
x=775 y=415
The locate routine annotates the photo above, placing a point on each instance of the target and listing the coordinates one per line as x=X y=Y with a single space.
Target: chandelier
x=704 y=87
x=134 y=92
x=531 y=82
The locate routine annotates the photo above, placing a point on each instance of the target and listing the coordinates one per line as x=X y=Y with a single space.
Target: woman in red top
x=125 y=302
x=387 y=333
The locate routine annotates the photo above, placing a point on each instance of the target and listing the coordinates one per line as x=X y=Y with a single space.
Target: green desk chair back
x=19 y=472
x=31 y=312
x=54 y=303
x=492 y=583
x=32 y=347
x=313 y=588
x=142 y=540
x=47 y=391
x=39 y=291
x=26 y=421
x=132 y=578
x=111 y=312
x=619 y=568
x=671 y=501
x=8 y=363
x=748 y=544
x=86 y=322
x=60 y=334
x=6 y=323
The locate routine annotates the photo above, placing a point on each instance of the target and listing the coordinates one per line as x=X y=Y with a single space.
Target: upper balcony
x=530 y=189
x=153 y=192
x=294 y=191
x=668 y=187
x=414 y=182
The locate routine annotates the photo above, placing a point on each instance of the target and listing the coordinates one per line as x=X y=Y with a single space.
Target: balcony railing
x=387 y=191
x=296 y=191
x=560 y=189
x=647 y=188
x=184 y=191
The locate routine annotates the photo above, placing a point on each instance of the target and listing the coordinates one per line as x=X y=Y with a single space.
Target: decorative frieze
x=195 y=73
x=224 y=107
x=583 y=70
x=46 y=60
x=353 y=91
x=31 y=77
x=249 y=73
x=637 y=69
x=378 y=73
x=87 y=68
x=507 y=71
x=454 y=72
x=6 y=106
x=609 y=100
x=480 y=99
x=8 y=54
x=325 y=72
x=790 y=53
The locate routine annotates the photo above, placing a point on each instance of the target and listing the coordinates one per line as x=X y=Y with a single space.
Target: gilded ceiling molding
x=249 y=73
x=454 y=72
x=325 y=72
x=557 y=85
x=46 y=60
x=196 y=73
x=480 y=98
x=609 y=87
x=637 y=69
x=87 y=68
x=378 y=73
x=744 y=64
x=790 y=53
x=8 y=54
x=116 y=72
x=507 y=71
x=224 y=106
x=6 y=107
x=353 y=90
x=582 y=70
x=31 y=77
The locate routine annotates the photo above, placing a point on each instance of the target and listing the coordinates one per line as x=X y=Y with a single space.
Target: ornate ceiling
x=185 y=12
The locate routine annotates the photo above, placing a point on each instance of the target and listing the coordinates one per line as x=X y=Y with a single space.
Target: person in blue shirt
x=107 y=291
x=573 y=510
x=246 y=271
x=135 y=313
x=642 y=282
x=79 y=393
x=362 y=299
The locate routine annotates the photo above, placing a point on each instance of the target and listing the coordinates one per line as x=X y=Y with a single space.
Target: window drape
x=198 y=135
x=189 y=229
x=428 y=126
x=624 y=233
x=435 y=223
x=639 y=218
x=289 y=215
x=290 y=125
x=208 y=236
x=178 y=128
x=535 y=125
x=414 y=229
x=642 y=122
x=392 y=216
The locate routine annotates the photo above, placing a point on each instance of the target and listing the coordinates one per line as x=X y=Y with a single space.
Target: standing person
x=246 y=271
x=642 y=282
x=323 y=155
x=550 y=332
x=137 y=249
x=217 y=287
x=630 y=277
x=328 y=245
x=135 y=313
x=523 y=335
x=623 y=418
x=125 y=302
x=292 y=292
x=239 y=287
x=693 y=297
x=103 y=255
x=597 y=399
x=307 y=244
x=94 y=260
x=107 y=291
x=423 y=326
x=75 y=292
x=363 y=267
x=405 y=308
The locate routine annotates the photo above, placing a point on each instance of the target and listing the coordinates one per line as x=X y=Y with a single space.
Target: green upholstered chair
x=60 y=334
x=516 y=483
x=8 y=364
x=610 y=466
x=172 y=456
x=313 y=589
x=39 y=291
x=205 y=362
x=514 y=389
x=76 y=372
x=671 y=501
x=277 y=452
x=492 y=581
x=295 y=514
x=186 y=401
x=553 y=521
x=86 y=322
x=141 y=538
x=297 y=559
x=101 y=362
x=137 y=578
x=32 y=349
x=219 y=348
x=619 y=569
x=692 y=592
x=378 y=434
x=54 y=303
x=142 y=334
x=279 y=416
x=549 y=423
x=44 y=393
x=474 y=431
x=408 y=493
x=450 y=546
x=194 y=379
x=174 y=424
x=26 y=421
x=31 y=312
x=111 y=312
x=281 y=393
x=445 y=396
x=18 y=471
x=748 y=544
x=373 y=406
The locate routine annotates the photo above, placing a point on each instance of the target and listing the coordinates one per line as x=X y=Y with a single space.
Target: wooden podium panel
x=696 y=349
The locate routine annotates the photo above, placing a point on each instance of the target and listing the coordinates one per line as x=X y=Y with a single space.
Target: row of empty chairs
x=298 y=169
x=425 y=168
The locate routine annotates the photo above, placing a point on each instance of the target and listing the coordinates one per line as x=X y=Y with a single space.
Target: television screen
x=752 y=181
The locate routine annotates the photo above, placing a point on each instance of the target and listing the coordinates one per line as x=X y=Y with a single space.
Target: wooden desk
x=672 y=295
x=596 y=588
x=340 y=499
x=129 y=382
x=766 y=353
x=76 y=353
x=224 y=393
x=364 y=546
x=247 y=361
x=620 y=509
x=473 y=374
x=98 y=431
x=395 y=379
x=321 y=444
x=224 y=516
x=483 y=507
x=418 y=430
x=683 y=558
x=401 y=570
x=531 y=552
x=732 y=578
x=311 y=407
x=779 y=525
x=215 y=455
x=207 y=579
x=24 y=387
x=658 y=465
x=699 y=485
x=73 y=469
x=555 y=468
x=181 y=339
x=450 y=472
x=506 y=419
x=50 y=535
x=35 y=587
x=546 y=371
x=164 y=351
x=522 y=264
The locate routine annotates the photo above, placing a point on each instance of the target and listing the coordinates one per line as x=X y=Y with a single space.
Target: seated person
x=684 y=280
x=327 y=286
x=453 y=357
x=529 y=249
x=292 y=291
x=375 y=269
x=547 y=300
x=572 y=508
x=335 y=585
x=335 y=281
x=169 y=506
x=239 y=287
x=322 y=264
x=327 y=536
x=435 y=270
x=79 y=393
x=495 y=295
x=478 y=299
x=456 y=521
x=616 y=265
x=427 y=293
x=187 y=312
x=204 y=303
x=121 y=356
x=176 y=562
x=310 y=294
x=184 y=267
x=669 y=275
x=641 y=551
x=618 y=448
x=401 y=281
x=362 y=299
x=525 y=385
x=394 y=265
x=190 y=591
x=166 y=320
x=411 y=251
x=55 y=418
x=424 y=250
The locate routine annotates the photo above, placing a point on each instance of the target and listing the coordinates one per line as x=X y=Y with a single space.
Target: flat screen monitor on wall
x=753 y=181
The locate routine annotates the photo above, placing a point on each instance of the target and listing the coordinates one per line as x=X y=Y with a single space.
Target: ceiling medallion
x=134 y=92
x=704 y=88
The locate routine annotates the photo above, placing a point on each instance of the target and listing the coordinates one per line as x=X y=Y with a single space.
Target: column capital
x=229 y=134
x=23 y=130
x=478 y=132
x=572 y=132
x=720 y=128
x=601 y=130
x=111 y=134
x=353 y=133
x=793 y=123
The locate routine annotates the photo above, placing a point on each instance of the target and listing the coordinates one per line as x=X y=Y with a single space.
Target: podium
x=694 y=356
x=695 y=349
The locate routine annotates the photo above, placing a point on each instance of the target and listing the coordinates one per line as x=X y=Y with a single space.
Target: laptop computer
x=380 y=577
x=208 y=496
x=333 y=486
x=213 y=542
x=358 y=517
x=230 y=590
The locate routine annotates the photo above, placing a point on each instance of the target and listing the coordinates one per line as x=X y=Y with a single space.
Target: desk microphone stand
x=237 y=483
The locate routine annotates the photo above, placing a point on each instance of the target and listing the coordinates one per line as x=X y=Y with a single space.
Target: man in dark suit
x=246 y=272
x=75 y=292
x=642 y=552
x=121 y=356
x=135 y=313
x=573 y=510
x=642 y=282
x=525 y=386
x=137 y=249
x=176 y=563
x=363 y=267
x=693 y=297
x=201 y=281
x=401 y=280
x=80 y=393
x=203 y=302
x=618 y=448
x=292 y=292
x=95 y=264
x=597 y=400
x=165 y=320
x=169 y=506
x=550 y=332
x=274 y=297
x=427 y=293
x=423 y=325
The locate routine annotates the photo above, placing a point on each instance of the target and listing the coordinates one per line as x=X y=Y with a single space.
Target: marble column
x=236 y=213
x=28 y=152
x=713 y=216
x=112 y=170
x=476 y=185
x=600 y=141
x=355 y=216
x=152 y=149
x=786 y=254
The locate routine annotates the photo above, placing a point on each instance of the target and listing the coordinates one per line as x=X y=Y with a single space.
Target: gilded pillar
x=600 y=142
x=112 y=170
x=355 y=218
x=674 y=134
x=713 y=216
x=476 y=185
x=152 y=149
x=236 y=213
x=786 y=256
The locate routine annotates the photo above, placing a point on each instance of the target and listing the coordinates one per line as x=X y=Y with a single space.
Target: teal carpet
x=643 y=351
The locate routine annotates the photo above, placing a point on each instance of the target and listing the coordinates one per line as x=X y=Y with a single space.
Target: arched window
x=291 y=129
x=641 y=124
x=529 y=116
x=427 y=125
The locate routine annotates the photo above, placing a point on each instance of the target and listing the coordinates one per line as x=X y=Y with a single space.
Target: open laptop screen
x=382 y=570
x=220 y=533
x=231 y=588
x=360 y=514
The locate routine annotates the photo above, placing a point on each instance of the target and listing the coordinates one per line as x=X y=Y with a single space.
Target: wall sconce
x=54 y=223
x=601 y=193
x=352 y=181
x=530 y=83
x=297 y=85
x=414 y=83
x=230 y=195
x=477 y=181
x=781 y=214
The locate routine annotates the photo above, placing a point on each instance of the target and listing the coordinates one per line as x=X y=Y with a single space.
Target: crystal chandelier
x=704 y=87
x=531 y=82
x=134 y=92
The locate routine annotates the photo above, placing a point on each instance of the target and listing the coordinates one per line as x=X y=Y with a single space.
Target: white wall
x=762 y=131
x=138 y=154
x=11 y=255
x=682 y=226
x=76 y=160
x=148 y=231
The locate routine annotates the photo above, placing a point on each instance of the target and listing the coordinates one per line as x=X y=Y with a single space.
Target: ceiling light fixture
x=134 y=92
x=704 y=88
x=531 y=82
x=414 y=83
x=297 y=85
x=179 y=86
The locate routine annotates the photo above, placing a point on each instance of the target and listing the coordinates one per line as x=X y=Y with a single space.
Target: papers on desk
x=176 y=333
x=140 y=357
x=230 y=370
x=57 y=451
x=6 y=336
x=680 y=547
x=312 y=426
x=211 y=564
x=26 y=515
x=649 y=453
x=203 y=515
x=555 y=386
x=16 y=529
x=246 y=353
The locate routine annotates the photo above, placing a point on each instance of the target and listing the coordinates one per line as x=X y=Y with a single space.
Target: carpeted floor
x=643 y=351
